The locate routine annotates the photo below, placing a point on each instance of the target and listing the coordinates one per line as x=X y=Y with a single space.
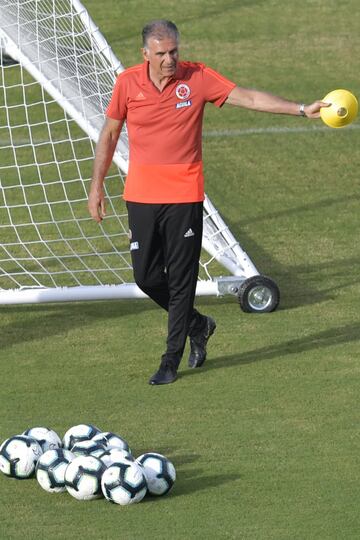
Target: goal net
x=56 y=78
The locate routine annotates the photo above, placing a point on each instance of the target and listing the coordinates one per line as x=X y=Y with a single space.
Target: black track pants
x=165 y=249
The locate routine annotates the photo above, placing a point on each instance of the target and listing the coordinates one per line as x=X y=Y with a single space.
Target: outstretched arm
x=105 y=149
x=257 y=100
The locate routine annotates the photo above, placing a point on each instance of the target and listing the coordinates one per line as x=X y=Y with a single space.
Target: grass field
x=265 y=437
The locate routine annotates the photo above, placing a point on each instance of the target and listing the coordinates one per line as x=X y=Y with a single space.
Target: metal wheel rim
x=260 y=297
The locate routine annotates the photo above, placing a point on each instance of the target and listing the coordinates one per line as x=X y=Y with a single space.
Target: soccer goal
x=56 y=78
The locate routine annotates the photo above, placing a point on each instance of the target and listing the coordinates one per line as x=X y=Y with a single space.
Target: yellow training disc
x=342 y=111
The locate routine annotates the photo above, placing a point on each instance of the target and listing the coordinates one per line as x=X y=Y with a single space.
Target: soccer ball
x=159 y=472
x=83 y=477
x=111 y=439
x=18 y=456
x=47 y=438
x=89 y=447
x=50 y=469
x=114 y=455
x=124 y=483
x=82 y=432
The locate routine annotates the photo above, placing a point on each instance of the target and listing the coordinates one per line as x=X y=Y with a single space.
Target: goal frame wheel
x=258 y=294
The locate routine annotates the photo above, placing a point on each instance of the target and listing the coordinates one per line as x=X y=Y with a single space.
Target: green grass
x=265 y=438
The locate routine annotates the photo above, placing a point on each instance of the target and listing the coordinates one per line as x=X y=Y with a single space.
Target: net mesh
x=56 y=78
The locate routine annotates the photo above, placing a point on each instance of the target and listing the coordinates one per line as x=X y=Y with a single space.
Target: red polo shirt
x=165 y=130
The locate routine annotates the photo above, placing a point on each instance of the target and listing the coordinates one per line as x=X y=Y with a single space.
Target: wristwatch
x=302 y=109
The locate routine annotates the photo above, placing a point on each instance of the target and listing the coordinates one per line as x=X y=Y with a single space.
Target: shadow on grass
x=302 y=209
x=312 y=284
x=289 y=280
x=328 y=338
x=304 y=284
x=192 y=481
x=188 y=482
x=44 y=320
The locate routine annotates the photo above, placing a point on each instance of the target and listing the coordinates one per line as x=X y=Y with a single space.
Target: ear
x=145 y=53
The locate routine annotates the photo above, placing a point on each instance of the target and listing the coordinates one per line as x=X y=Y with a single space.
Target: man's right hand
x=96 y=201
x=104 y=152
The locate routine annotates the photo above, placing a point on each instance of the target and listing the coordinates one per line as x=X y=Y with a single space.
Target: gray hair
x=159 y=29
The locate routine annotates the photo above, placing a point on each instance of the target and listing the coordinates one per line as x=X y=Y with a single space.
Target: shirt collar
x=145 y=79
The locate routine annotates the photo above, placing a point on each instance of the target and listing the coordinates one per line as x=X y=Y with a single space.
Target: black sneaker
x=198 y=344
x=166 y=374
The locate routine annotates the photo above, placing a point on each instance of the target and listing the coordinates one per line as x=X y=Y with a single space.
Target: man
x=162 y=101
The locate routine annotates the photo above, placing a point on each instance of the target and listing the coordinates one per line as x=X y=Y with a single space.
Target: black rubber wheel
x=258 y=294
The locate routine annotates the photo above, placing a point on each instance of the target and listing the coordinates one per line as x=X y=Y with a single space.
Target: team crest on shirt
x=182 y=91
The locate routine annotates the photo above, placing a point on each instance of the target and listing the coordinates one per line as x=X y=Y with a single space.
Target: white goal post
x=56 y=78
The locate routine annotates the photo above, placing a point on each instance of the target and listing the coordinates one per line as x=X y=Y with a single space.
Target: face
x=163 y=56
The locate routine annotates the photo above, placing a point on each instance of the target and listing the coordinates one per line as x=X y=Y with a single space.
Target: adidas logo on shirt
x=140 y=96
x=189 y=233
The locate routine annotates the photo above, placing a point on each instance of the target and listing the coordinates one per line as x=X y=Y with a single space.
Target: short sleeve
x=216 y=87
x=117 y=108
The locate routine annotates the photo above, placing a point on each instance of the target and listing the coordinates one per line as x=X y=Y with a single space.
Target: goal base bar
x=216 y=287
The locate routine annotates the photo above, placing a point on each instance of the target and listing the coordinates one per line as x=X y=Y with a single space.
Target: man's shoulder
x=132 y=71
x=207 y=74
x=193 y=67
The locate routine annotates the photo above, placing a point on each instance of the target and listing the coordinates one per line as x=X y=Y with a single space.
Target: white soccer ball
x=115 y=455
x=51 y=467
x=87 y=448
x=111 y=439
x=159 y=472
x=82 y=432
x=18 y=456
x=124 y=483
x=47 y=438
x=83 y=477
